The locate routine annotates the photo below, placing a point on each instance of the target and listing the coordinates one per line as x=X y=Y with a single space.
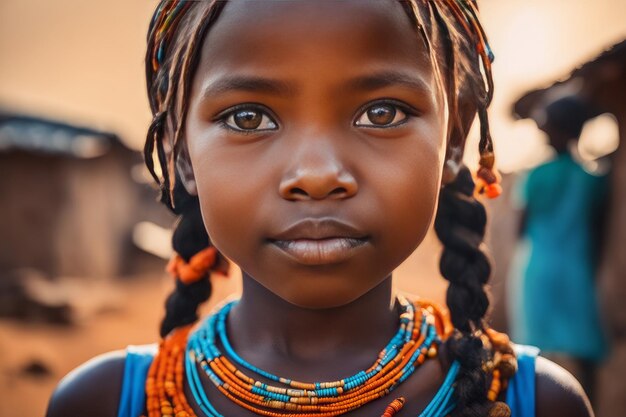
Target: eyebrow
x=369 y=82
x=247 y=83
x=384 y=79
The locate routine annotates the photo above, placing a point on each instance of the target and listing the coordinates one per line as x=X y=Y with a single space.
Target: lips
x=319 y=241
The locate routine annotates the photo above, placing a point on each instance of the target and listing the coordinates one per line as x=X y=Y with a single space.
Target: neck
x=264 y=322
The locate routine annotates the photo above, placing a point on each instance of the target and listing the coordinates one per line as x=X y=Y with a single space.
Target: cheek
x=229 y=194
x=218 y=212
x=225 y=213
x=410 y=190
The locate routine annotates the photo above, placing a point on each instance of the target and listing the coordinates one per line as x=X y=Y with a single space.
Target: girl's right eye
x=248 y=120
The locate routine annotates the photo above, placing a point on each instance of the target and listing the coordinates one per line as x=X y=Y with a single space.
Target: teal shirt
x=553 y=296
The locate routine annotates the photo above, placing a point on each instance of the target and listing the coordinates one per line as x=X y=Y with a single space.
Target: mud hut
x=69 y=203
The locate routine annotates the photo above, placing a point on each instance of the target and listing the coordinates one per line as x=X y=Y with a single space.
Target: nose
x=316 y=172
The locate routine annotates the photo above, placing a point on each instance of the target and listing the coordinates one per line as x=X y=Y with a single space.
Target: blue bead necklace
x=415 y=340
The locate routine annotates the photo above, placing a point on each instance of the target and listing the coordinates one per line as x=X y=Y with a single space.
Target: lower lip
x=320 y=251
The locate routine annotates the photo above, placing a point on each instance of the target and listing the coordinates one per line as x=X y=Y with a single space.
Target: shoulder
x=92 y=389
x=558 y=393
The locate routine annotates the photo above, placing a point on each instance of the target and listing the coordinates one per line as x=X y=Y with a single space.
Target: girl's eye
x=382 y=115
x=249 y=120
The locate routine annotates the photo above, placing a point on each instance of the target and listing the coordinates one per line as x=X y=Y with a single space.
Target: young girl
x=314 y=141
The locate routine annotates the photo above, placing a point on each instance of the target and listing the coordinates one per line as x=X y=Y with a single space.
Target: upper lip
x=317 y=229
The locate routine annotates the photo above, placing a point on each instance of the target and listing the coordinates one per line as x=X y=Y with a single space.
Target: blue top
x=520 y=393
x=133 y=398
x=554 y=303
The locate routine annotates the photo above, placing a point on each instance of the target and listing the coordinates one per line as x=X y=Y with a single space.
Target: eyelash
x=222 y=119
x=408 y=111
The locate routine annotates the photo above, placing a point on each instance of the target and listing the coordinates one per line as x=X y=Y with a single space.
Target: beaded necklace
x=422 y=328
x=409 y=347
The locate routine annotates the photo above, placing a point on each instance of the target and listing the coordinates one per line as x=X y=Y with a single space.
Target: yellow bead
x=432 y=352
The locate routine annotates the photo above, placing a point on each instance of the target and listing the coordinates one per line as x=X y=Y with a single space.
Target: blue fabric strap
x=520 y=395
x=133 y=398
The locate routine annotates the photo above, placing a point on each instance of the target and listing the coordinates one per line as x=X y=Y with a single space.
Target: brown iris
x=248 y=119
x=382 y=114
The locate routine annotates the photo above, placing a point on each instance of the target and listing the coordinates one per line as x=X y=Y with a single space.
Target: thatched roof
x=524 y=106
x=616 y=52
x=38 y=135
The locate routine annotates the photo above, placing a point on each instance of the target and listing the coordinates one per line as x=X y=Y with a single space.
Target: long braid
x=460 y=225
x=189 y=239
x=463 y=55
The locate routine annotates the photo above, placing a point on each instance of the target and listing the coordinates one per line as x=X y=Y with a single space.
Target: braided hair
x=189 y=239
x=461 y=59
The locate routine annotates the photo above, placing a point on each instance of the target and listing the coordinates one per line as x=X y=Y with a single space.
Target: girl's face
x=316 y=135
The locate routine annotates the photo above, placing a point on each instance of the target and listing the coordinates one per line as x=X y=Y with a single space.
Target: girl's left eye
x=249 y=120
x=382 y=115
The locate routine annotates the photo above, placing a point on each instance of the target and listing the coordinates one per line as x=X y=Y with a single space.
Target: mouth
x=319 y=241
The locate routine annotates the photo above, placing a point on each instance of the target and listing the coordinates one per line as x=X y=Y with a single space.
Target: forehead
x=326 y=39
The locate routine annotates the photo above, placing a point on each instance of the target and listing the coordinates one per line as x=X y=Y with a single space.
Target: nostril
x=298 y=191
x=315 y=186
x=339 y=191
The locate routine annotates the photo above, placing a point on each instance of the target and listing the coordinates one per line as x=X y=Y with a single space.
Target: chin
x=320 y=298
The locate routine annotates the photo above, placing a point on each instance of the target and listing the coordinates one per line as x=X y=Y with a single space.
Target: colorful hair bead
x=466 y=14
x=165 y=17
x=197 y=268
x=487 y=177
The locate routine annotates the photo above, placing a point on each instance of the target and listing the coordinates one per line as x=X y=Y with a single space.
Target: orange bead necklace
x=422 y=328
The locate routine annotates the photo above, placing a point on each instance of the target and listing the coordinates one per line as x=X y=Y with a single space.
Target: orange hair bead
x=197 y=267
x=496 y=385
x=493 y=190
x=499 y=340
x=487 y=178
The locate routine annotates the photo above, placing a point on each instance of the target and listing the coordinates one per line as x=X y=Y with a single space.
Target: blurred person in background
x=554 y=299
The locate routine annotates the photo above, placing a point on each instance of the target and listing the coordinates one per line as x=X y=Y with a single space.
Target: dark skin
x=357 y=154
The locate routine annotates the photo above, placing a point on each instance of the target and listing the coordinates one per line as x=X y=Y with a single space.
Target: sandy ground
x=111 y=315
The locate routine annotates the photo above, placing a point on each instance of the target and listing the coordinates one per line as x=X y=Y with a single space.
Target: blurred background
x=83 y=242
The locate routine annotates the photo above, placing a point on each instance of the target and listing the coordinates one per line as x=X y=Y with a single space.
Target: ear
x=459 y=127
x=452 y=164
x=185 y=170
